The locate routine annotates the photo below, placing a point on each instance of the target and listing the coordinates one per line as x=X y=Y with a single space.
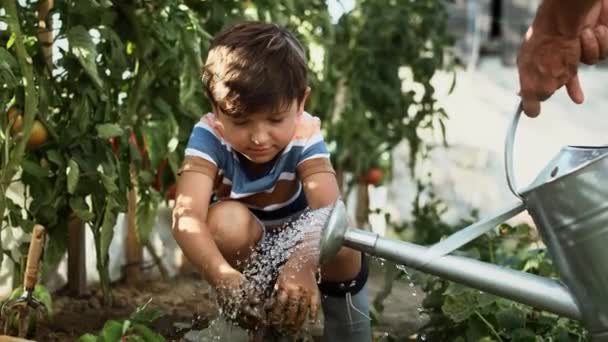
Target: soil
x=184 y=302
x=187 y=306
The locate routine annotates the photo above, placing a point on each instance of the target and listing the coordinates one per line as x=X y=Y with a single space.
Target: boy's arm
x=190 y=228
x=321 y=189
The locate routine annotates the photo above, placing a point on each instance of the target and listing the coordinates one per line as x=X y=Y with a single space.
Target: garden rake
x=20 y=312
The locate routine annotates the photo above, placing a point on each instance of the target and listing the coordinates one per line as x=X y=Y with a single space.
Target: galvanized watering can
x=568 y=202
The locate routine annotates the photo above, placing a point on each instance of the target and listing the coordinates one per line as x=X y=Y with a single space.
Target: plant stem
x=31 y=104
x=491 y=243
x=104 y=274
x=490 y=326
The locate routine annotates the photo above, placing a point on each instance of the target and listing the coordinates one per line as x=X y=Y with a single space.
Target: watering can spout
x=519 y=286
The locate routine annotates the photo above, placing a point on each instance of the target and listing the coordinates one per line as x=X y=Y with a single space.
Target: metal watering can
x=568 y=202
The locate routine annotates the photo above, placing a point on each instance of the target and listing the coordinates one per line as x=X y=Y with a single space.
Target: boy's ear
x=302 y=103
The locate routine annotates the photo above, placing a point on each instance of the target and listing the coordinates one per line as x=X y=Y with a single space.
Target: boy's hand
x=295 y=298
x=237 y=301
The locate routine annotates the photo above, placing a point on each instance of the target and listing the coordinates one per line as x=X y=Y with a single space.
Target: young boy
x=265 y=160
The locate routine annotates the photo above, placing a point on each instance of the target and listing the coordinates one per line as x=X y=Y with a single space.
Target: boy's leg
x=236 y=231
x=346 y=308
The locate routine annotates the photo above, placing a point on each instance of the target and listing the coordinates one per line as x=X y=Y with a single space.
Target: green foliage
x=460 y=313
x=123 y=92
x=135 y=328
x=17 y=320
x=126 y=76
x=40 y=293
x=373 y=46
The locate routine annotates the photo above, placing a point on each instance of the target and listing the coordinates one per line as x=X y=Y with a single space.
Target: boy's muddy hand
x=295 y=299
x=237 y=302
x=228 y=286
x=252 y=316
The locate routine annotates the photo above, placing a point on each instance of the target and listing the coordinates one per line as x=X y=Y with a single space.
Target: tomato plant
x=114 y=104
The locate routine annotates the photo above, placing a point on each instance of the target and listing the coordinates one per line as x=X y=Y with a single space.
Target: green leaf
x=107 y=130
x=144 y=314
x=136 y=338
x=15 y=212
x=107 y=227
x=81 y=209
x=11 y=40
x=82 y=46
x=523 y=335
x=109 y=183
x=455 y=289
x=56 y=246
x=111 y=331
x=476 y=330
x=486 y=299
x=88 y=338
x=73 y=174
x=546 y=269
x=147 y=333
x=146 y=211
x=460 y=308
x=126 y=324
x=511 y=318
x=42 y=294
x=486 y=339
x=55 y=157
x=27 y=225
x=118 y=57
x=8 y=63
x=34 y=169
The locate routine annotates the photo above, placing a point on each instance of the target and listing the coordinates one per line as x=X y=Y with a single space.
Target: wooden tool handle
x=33 y=257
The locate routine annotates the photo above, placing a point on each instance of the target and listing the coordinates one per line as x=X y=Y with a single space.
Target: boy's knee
x=344 y=266
x=234 y=229
x=352 y=285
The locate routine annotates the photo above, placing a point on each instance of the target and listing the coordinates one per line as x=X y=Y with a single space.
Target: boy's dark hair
x=255 y=66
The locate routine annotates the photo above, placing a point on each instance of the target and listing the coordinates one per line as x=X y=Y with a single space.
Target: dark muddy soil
x=184 y=303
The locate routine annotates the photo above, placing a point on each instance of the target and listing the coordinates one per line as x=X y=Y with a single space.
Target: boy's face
x=261 y=136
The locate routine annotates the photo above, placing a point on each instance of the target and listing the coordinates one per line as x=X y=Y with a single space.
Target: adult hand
x=548 y=59
x=594 y=38
x=295 y=298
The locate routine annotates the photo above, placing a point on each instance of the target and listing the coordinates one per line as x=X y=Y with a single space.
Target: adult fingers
x=529 y=94
x=574 y=90
x=531 y=107
x=601 y=34
x=590 y=47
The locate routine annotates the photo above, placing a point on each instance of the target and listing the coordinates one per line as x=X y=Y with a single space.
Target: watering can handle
x=509 y=143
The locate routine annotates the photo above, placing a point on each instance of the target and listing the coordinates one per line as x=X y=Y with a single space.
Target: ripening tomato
x=374 y=176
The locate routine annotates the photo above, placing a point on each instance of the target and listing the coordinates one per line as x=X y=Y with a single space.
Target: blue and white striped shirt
x=273 y=196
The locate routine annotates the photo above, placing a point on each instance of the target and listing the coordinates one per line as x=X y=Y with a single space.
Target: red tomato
x=374 y=176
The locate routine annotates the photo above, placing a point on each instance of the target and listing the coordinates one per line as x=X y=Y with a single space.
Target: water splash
x=261 y=270
x=219 y=329
x=408 y=276
x=277 y=246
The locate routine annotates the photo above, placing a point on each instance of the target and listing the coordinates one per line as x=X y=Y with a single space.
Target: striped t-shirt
x=273 y=196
